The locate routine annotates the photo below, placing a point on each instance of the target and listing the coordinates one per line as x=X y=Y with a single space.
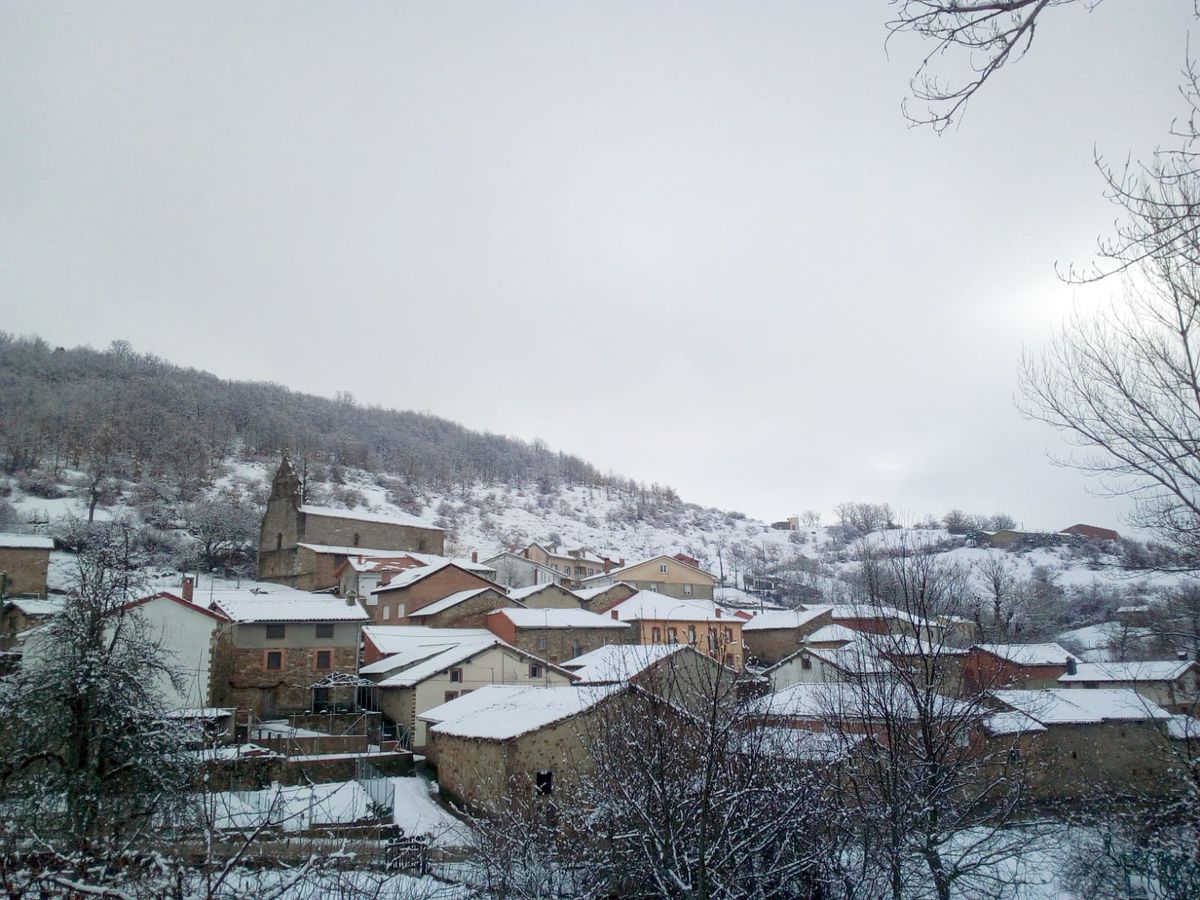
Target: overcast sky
x=695 y=243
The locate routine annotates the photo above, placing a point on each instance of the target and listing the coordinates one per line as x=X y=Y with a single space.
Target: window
x=1014 y=754
x=279 y=540
x=536 y=670
x=356 y=539
x=450 y=695
x=691 y=634
x=805 y=663
x=456 y=676
x=687 y=590
x=324 y=659
x=672 y=636
x=652 y=587
x=276 y=631
x=656 y=635
x=320 y=698
x=663 y=568
x=576 y=648
x=541 y=643
x=729 y=660
x=387 y=612
x=274 y=660
x=325 y=630
x=729 y=635
x=544 y=783
x=712 y=639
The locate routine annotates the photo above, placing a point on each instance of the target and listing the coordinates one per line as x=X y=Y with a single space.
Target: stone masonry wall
x=25 y=569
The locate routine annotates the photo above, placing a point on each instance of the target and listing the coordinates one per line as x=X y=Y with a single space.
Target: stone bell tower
x=281 y=527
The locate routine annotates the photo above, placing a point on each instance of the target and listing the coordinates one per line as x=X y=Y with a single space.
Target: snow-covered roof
x=871 y=611
x=653 y=605
x=264 y=602
x=582 y=554
x=1029 y=654
x=502 y=712
x=392 y=639
x=202 y=712
x=440 y=661
x=559 y=618
x=1157 y=670
x=856 y=658
x=800 y=744
x=25 y=542
x=847 y=699
x=1133 y=609
x=619 y=662
x=1064 y=706
x=1182 y=727
x=785 y=618
x=1009 y=722
x=827 y=634
x=589 y=593
x=390 y=519
x=35 y=606
x=409 y=577
x=522 y=593
x=446 y=603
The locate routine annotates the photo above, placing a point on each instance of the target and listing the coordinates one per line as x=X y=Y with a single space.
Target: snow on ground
x=417 y=811
x=294 y=808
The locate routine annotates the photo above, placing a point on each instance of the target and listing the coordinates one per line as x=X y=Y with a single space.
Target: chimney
x=607 y=565
x=188 y=584
x=1181 y=656
x=474 y=556
x=615 y=615
x=1072 y=667
x=525 y=553
x=385 y=579
x=621 y=562
x=718 y=612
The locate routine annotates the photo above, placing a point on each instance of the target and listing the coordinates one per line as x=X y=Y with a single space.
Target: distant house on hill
x=408 y=593
x=1092 y=532
x=664 y=574
x=287 y=524
x=989 y=666
x=514 y=570
x=362 y=571
x=576 y=563
x=24 y=563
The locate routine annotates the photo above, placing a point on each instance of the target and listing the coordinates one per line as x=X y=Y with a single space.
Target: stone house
x=1085 y=743
x=24 y=564
x=1172 y=684
x=360 y=572
x=988 y=666
x=406 y=593
x=19 y=614
x=287 y=523
x=504 y=743
x=664 y=574
x=677 y=673
x=465 y=609
x=661 y=619
x=277 y=644
x=602 y=599
x=557 y=635
x=1092 y=532
x=515 y=570
x=812 y=666
x=407 y=688
x=575 y=563
x=546 y=596
x=772 y=635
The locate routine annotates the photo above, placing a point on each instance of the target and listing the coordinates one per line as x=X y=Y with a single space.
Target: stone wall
x=430 y=589
x=270 y=693
x=552 y=597
x=471 y=613
x=606 y=600
x=771 y=645
x=25 y=570
x=561 y=644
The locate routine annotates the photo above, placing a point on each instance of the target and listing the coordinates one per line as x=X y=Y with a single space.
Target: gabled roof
x=615 y=663
x=653 y=605
x=451 y=601
x=1165 y=670
x=1028 y=654
x=454 y=656
x=1065 y=706
x=265 y=602
x=785 y=618
x=872 y=611
x=390 y=519
x=589 y=593
x=848 y=700
x=524 y=559
x=25 y=542
x=35 y=606
x=580 y=554
x=613 y=573
x=856 y=658
x=191 y=607
x=503 y=712
x=827 y=634
x=406 y=639
x=558 y=618
x=523 y=593
x=409 y=577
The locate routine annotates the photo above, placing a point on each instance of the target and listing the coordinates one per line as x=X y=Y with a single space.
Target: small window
x=656 y=635
x=663 y=568
x=691 y=634
x=276 y=631
x=356 y=539
x=544 y=783
x=672 y=636
x=536 y=670
x=805 y=662
x=456 y=676
x=541 y=643
x=576 y=648
x=325 y=630
x=387 y=612
x=687 y=590
x=279 y=540
x=729 y=635
x=729 y=660
x=324 y=659
x=450 y=695
x=274 y=660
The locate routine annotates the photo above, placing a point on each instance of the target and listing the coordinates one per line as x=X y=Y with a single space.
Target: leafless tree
x=1000 y=594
